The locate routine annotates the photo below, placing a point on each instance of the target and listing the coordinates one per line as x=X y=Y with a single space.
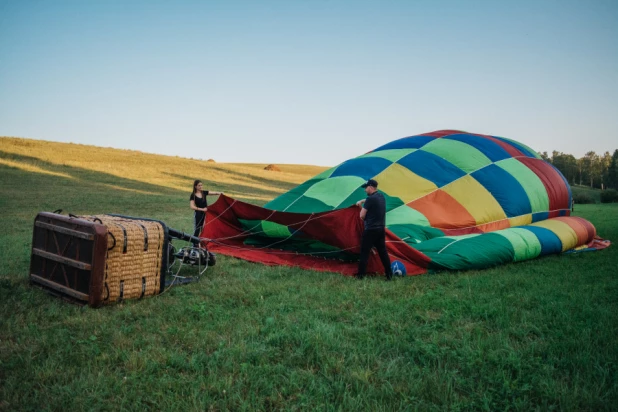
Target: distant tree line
x=596 y=171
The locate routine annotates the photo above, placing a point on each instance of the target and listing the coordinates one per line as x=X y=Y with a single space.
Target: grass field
x=536 y=335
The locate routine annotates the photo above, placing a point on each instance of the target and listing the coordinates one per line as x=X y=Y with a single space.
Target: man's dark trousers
x=373 y=238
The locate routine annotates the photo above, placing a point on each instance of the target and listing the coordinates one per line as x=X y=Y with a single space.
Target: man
x=373 y=213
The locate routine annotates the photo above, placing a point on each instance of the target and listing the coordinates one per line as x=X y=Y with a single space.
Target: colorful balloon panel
x=455 y=200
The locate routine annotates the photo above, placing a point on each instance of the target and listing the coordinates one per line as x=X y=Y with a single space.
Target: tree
x=606 y=161
x=591 y=166
x=571 y=167
x=566 y=163
x=612 y=171
x=580 y=169
x=599 y=171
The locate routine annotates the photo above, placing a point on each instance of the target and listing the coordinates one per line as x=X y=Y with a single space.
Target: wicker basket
x=135 y=251
x=99 y=259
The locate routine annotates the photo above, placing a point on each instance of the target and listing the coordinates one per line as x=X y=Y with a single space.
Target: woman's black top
x=199 y=216
x=200 y=202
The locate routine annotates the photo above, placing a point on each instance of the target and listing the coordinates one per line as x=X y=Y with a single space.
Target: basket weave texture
x=134 y=257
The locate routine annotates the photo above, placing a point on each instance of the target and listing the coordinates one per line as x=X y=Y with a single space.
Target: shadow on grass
x=269 y=182
x=85 y=177
x=96 y=184
x=238 y=188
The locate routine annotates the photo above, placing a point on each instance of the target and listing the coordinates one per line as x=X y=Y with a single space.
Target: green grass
x=536 y=335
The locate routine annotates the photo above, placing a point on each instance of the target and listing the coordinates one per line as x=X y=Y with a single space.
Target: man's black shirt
x=376 y=211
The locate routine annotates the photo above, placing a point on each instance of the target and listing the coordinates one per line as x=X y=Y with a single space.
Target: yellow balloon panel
x=476 y=199
x=565 y=233
x=398 y=181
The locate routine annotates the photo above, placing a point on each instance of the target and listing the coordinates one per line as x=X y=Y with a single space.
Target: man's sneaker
x=359 y=276
x=389 y=277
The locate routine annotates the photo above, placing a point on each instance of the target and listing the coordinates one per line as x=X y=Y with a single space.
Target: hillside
x=248 y=182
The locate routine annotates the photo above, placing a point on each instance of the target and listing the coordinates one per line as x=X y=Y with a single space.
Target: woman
x=198 y=202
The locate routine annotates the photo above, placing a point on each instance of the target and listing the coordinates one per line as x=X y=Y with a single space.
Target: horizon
x=314 y=84
x=203 y=159
x=206 y=160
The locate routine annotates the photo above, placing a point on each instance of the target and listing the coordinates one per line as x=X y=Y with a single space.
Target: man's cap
x=370 y=182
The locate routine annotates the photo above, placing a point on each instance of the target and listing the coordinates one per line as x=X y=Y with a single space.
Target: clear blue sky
x=312 y=82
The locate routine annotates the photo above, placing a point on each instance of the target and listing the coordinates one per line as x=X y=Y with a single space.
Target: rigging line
x=287 y=253
x=177 y=274
x=295 y=200
x=351 y=193
x=199 y=263
x=248 y=230
x=506 y=218
x=304 y=222
x=267 y=246
x=274 y=211
x=219 y=215
x=395 y=257
x=292 y=234
x=302 y=194
x=397 y=241
x=174 y=276
x=290 y=253
x=335 y=167
x=454 y=241
x=453 y=181
x=263 y=231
